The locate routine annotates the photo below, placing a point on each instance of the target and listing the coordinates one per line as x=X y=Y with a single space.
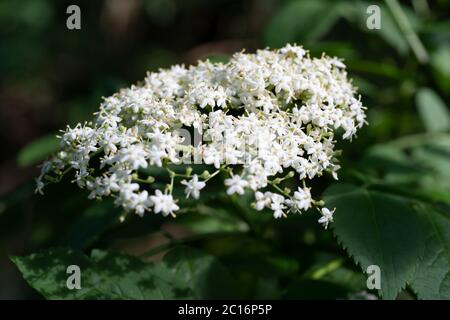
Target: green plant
x=392 y=201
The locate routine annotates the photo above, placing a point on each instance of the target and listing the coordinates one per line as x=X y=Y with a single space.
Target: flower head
x=261 y=115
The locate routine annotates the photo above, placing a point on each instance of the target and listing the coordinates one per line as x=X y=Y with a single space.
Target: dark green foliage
x=392 y=202
x=183 y=274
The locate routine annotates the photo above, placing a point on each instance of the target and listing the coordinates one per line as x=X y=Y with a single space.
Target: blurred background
x=51 y=76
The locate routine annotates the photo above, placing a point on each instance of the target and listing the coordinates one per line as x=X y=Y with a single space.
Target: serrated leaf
x=378 y=229
x=432 y=277
x=183 y=273
x=432 y=110
x=408 y=239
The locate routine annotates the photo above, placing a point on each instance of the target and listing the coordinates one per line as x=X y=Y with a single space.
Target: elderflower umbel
x=264 y=118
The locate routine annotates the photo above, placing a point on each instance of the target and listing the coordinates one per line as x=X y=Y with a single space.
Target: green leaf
x=441 y=67
x=378 y=229
x=353 y=280
x=432 y=277
x=301 y=21
x=432 y=110
x=37 y=150
x=208 y=219
x=408 y=239
x=91 y=224
x=356 y=12
x=434 y=155
x=391 y=33
x=134 y=227
x=204 y=275
x=408 y=22
x=440 y=59
x=392 y=164
x=183 y=273
x=417 y=162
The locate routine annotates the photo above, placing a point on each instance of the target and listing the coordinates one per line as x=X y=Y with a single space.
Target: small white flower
x=134 y=155
x=127 y=190
x=39 y=186
x=236 y=185
x=141 y=203
x=301 y=200
x=193 y=187
x=327 y=217
x=156 y=155
x=277 y=205
x=263 y=200
x=163 y=203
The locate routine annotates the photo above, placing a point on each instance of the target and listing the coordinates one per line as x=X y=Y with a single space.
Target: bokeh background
x=51 y=76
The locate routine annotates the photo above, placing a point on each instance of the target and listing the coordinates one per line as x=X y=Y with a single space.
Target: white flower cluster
x=264 y=118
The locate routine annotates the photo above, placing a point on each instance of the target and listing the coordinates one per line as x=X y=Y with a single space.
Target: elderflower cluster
x=263 y=118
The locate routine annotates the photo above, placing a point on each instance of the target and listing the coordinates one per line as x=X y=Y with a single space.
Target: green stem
x=213 y=175
x=279 y=189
